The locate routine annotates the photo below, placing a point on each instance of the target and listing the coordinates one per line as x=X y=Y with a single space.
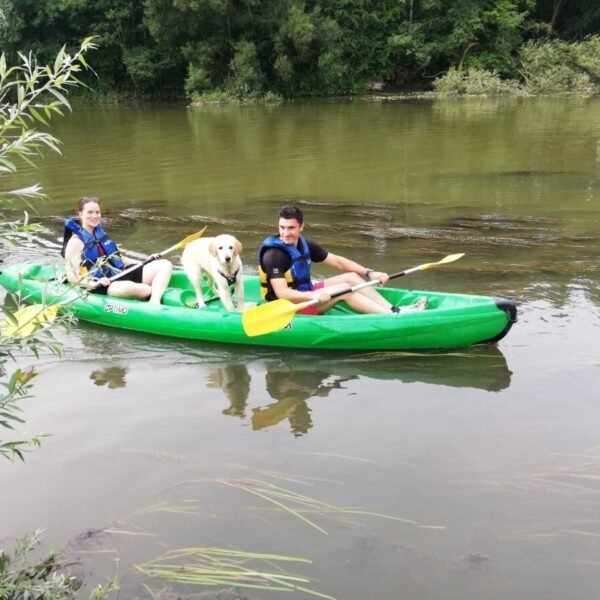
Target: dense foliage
x=245 y=48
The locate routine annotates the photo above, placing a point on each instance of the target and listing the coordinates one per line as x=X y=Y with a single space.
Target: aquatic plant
x=224 y=567
x=298 y=505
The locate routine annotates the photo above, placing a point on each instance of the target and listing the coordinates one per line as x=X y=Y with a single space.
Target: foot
x=420 y=304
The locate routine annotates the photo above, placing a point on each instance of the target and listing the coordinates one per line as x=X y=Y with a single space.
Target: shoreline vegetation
x=206 y=52
x=550 y=68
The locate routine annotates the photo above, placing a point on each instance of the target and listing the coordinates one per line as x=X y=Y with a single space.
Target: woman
x=92 y=258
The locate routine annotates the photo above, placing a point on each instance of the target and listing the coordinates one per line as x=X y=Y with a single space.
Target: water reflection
x=483 y=368
x=112 y=377
x=234 y=380
x=291 y=388
x=293 y=380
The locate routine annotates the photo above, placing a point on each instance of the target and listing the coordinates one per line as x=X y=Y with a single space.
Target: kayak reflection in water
x=291 y=389
x=114 y=377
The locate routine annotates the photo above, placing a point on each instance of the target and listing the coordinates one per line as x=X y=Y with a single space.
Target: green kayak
x=450 y=320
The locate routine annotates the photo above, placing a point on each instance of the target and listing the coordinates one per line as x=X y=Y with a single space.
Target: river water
x=452 y=475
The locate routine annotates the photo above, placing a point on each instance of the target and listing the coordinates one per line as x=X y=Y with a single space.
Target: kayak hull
x=450 y=321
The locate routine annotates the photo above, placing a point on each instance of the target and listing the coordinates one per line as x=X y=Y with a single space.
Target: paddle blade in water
x=269 y=317
x=28 y=320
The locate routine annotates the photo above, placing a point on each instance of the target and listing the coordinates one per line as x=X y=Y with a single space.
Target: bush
x=226 y=97
x=332 y=72
x=586 y=55
x=22 y=578
x=474 y=82
x=247 y=77
x=197 y=80
x=200 y=58
x=548 y=68
x=559 y=67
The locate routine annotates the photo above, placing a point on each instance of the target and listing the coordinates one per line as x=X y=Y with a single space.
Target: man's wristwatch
x=368 y=273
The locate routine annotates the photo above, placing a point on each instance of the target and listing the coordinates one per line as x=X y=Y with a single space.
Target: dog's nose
x=227 y=258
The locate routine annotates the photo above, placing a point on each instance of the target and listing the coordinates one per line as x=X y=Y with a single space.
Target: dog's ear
x=238 y=247
x=212 y=248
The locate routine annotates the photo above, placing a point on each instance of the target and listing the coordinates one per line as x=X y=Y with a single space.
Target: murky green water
x=492 y=453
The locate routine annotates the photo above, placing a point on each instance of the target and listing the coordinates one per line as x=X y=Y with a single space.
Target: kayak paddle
x=29 y=318
x=182 y=244
x=275 y=315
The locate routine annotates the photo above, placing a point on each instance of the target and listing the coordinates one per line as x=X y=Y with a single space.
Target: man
x=284 y=269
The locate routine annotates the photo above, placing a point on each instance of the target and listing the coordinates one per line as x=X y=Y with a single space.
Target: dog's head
x=225 y=247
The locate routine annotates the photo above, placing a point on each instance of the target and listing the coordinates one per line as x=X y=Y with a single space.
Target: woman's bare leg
x=129 y=289
x=157 y=274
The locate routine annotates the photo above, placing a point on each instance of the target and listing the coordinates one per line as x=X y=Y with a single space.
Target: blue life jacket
x=297 y=276
x=100 y=254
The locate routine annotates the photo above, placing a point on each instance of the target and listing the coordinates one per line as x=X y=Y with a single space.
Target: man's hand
x=382 y=277
x=321 y=296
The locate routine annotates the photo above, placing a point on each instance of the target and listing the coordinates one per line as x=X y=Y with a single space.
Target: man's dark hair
x=289 y=211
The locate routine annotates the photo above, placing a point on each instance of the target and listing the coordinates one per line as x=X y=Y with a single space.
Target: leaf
x=12 y=382
x=8 y=165
x=59 y=60
x=60 y=97
x=37 y=115
x=12 y=417
x=20 y=96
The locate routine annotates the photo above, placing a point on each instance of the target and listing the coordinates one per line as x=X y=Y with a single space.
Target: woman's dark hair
x=86 y=200
x=289 y=211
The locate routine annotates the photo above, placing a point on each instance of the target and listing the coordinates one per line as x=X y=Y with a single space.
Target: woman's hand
x=96 y=282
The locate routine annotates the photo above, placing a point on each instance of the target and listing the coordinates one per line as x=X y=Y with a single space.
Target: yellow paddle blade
x=269 y=317
x=28 y=320
x=446 y=259
x=190 y=238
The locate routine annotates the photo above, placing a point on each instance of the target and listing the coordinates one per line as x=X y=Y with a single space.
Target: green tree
x=294 y=47
x=407 y=52
x=308 y=59
x=475 y=33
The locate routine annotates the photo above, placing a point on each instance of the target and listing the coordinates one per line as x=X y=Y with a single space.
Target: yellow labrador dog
x=219 y=258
